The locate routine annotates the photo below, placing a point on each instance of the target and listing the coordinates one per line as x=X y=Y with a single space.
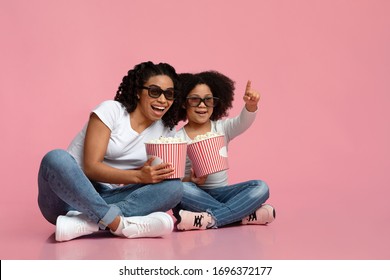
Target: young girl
x=209 y=201
x=104 y=179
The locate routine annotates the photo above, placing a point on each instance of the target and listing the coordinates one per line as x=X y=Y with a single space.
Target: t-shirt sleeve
x=109 y=112
x=235 y=126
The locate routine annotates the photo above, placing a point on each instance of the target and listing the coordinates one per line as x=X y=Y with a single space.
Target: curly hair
x=220 y=85
x=136 y=78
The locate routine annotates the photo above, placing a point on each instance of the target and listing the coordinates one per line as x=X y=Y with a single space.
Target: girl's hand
x=197 y=180
x=155 y=174
x=251 y=98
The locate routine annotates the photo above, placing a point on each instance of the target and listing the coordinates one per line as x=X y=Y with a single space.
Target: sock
x=118 y=231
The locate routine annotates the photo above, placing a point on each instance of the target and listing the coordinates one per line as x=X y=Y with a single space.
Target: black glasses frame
x=205 y=100
x=156 y=91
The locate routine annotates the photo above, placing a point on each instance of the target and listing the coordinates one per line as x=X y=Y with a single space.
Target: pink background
x=321 y=140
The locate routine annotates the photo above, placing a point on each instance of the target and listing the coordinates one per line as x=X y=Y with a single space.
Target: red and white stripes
x=174 y=153
x=208 y=156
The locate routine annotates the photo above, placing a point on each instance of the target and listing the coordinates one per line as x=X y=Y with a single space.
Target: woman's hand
x=251 y=98
x=95 y=146
x=149 y=174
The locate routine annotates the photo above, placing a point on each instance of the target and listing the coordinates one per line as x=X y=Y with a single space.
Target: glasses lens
x=169 y=93
x=194 y=101
x=155 y=92
x=210 y=101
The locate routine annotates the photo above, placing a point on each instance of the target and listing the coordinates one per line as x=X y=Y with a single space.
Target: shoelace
x=252 y=217
x=81 y=226
x=198 y=221
x=143 y=227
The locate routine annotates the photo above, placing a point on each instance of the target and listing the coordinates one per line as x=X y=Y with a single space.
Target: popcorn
x=206 y=136
x=167 y=140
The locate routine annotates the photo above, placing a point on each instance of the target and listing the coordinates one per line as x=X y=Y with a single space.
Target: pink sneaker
x=262 y=216
x=193 y=220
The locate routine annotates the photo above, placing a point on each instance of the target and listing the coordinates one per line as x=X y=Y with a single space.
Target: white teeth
x=159 y=108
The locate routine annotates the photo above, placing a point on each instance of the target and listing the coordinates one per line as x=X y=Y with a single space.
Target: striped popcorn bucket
x=174 y=153
x=208 y=156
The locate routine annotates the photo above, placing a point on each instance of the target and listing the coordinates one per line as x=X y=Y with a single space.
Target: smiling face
x=152 y=109
x=200 y=114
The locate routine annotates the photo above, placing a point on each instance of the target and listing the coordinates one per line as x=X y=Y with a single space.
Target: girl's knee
x=263 y=185
x=262 y=188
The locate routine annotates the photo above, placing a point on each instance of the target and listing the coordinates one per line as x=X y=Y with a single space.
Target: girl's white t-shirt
x=231 y=128
x=126 y=147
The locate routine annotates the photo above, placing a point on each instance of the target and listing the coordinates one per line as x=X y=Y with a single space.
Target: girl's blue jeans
x=227 y=204
x=63 y=186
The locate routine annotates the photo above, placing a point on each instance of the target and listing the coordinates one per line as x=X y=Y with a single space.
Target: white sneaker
x=74 y=225
x=153 y=225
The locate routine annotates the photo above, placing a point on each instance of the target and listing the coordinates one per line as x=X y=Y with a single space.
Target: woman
x=209 y=201
x=104 y=179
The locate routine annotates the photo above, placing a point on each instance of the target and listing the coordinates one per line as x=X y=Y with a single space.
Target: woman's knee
x=54 y=157
x=174 y=189
x=50 y=162
x=189 y=188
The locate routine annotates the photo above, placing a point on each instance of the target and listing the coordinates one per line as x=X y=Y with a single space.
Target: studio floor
x=300 y=232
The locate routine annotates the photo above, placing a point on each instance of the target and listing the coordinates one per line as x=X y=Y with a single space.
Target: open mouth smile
x=201 y=112
x=158 y=108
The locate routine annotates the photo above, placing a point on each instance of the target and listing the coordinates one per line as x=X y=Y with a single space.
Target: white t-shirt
x=231 y=128
x=126 y=149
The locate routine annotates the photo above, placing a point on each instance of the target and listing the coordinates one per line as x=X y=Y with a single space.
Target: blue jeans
x=227 y=204
x=63 y=186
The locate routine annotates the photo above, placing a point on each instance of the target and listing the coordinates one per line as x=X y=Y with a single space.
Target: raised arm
x=237 y=125
x=251 y=98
